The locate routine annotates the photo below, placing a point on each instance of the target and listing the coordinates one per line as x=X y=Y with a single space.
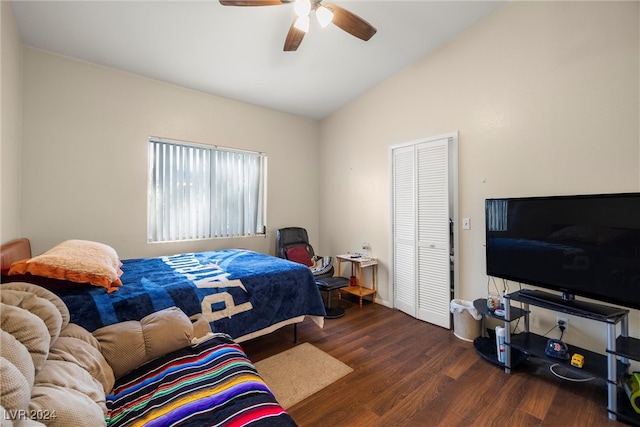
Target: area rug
x=297 y=373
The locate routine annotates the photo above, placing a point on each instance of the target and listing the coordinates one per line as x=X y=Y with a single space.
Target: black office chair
x=292 y=243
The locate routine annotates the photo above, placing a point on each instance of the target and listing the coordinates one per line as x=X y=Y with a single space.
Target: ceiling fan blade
x=294 y=38
x=253 y=2
x=351 y=23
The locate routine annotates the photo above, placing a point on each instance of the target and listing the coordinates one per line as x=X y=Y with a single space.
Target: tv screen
x=586 y=245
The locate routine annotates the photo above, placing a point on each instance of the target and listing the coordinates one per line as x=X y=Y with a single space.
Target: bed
x=241 y=293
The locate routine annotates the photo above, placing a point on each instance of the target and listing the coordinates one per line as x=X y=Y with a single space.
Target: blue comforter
x=238 y=291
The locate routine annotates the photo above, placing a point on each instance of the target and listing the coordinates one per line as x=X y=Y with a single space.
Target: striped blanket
x=210 y=384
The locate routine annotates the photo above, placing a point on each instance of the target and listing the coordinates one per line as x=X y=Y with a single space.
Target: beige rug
x=296 y=374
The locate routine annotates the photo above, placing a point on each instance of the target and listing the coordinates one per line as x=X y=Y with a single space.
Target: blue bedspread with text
x=238 y=291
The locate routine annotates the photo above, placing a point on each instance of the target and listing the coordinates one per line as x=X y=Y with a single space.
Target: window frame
x=171 y=230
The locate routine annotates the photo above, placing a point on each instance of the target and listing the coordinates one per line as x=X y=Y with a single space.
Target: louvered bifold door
x=404 y=230
x=433 y=257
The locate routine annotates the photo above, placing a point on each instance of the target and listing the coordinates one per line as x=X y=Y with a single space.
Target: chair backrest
x=291 y=237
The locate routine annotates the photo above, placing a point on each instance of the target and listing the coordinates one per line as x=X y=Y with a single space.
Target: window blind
x=200 y=192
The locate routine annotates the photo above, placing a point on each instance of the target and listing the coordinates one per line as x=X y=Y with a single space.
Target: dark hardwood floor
x=411 y=373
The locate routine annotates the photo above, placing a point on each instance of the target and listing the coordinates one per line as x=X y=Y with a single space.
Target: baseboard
x=383 y=302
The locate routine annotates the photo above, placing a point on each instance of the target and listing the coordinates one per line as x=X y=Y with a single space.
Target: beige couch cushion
x=12 y=350
x=14 y=388
x=61 y=372
x=85 y=356
x=127 y=345
x=42 y=293
x=201 y=325
x=66 y=407
x=41 y=307
x=122 y=346
x=75 y=331
x=27 y=328
x=69 y=375
x=49 y=369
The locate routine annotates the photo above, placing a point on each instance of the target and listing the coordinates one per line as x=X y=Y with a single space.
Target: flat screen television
x=583 y=245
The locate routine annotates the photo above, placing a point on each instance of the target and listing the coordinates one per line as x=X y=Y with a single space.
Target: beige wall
x=545 y=97
x=85 y=149
x=10 y=125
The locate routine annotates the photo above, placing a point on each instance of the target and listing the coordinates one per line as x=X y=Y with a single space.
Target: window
x=202 y=192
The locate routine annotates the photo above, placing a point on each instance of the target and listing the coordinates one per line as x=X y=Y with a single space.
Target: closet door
x=421 y=232
x=404 y=229
x=433 y=242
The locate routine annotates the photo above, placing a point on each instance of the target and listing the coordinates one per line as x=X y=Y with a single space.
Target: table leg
x=374 y=270
x=360 y=282
x=339 y=275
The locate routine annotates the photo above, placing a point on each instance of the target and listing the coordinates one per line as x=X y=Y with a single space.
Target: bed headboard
x=13 y=251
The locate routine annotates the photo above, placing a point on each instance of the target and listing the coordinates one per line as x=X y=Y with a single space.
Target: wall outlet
x=466 y=224
x=563 y=321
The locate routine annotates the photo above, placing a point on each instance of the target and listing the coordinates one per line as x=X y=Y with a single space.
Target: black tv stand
x=575 y=307
x=606 y=367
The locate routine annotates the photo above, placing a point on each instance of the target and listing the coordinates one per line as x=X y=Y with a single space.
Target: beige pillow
x=80 y=261
x=130 y=344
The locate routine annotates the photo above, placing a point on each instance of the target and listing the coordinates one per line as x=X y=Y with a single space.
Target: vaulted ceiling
x=237 y=52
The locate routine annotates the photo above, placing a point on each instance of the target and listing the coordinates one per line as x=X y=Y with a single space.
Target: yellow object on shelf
x=577 y=360
x=632 y=387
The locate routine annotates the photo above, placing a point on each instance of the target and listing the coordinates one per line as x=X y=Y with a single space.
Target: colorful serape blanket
x=238 y=291
x=210 y=384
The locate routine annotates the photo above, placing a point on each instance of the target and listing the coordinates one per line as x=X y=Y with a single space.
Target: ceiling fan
x=330 y=13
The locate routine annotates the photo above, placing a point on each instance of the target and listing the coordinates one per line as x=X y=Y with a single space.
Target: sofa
x=56 y=373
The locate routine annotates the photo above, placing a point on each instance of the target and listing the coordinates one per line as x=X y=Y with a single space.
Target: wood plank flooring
x=411 y=373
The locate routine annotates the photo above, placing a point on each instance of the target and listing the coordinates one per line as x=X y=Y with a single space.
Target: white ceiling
x=236 y=52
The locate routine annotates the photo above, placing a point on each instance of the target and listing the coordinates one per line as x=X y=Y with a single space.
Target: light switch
x=466 y=224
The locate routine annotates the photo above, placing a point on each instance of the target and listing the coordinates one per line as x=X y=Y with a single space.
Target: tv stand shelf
x=610 y=367
x=534 y=345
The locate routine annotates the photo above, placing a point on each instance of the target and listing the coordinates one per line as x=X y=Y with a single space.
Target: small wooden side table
x=358 y=263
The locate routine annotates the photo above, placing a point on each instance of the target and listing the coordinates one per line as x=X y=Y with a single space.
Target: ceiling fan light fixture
x=324 y=15
x=302 y=23
x=302 y=8
x=332 y=13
